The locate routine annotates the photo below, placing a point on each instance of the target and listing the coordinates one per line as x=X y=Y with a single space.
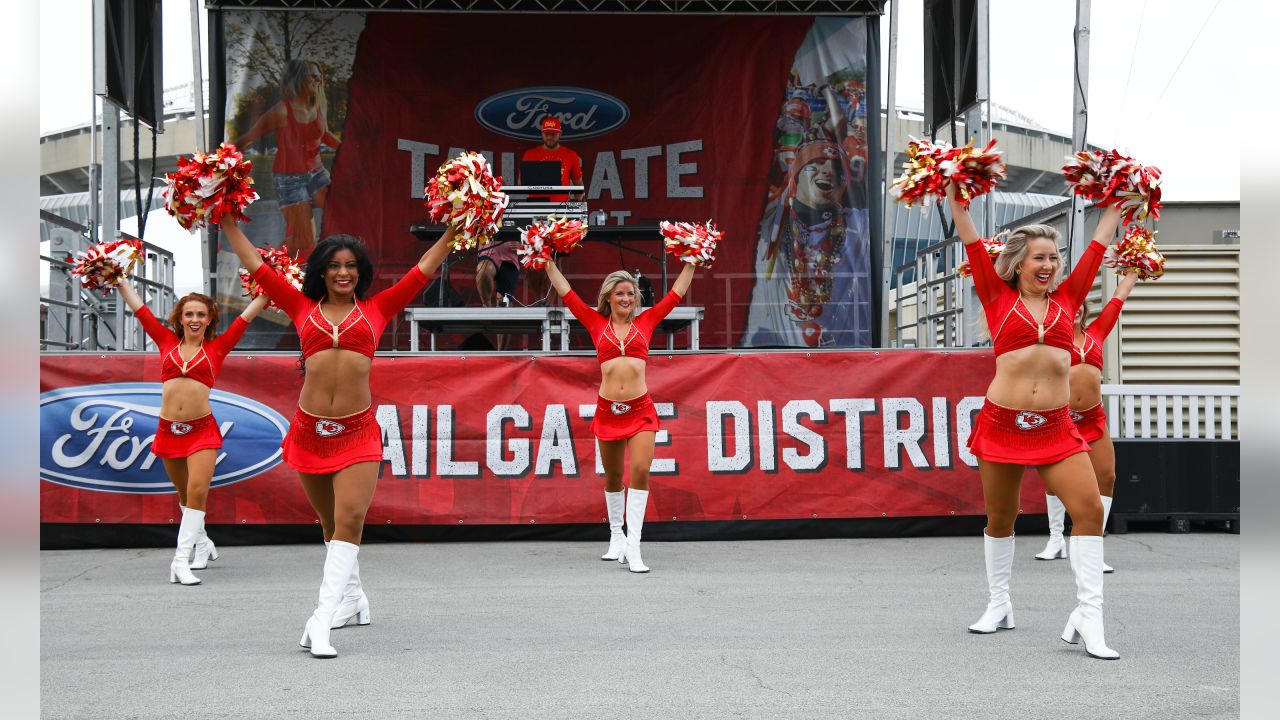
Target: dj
x=551 y=149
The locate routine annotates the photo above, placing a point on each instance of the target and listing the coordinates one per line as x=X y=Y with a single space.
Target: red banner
x=506 y=440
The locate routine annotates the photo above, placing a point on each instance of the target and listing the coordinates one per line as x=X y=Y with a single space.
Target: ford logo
x=98 y=437
x=583 y=113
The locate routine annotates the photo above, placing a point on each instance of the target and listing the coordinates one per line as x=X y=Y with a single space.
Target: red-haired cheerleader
x=1086 y=410
x=334 y=441
x=625 y=419
x=187 y=436
x=1025 y=420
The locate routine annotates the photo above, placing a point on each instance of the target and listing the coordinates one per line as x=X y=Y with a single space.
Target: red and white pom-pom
x=209 y=187
x=974 y=172
x=1136 y=252
x=694 y=243
x=1137 y=194
x=541 y=240
x=922 y=180
x=285 y=265
x=1089 y=173
x=1110 y=178
x=105 y=264
x=993 y=245
x=466 y=196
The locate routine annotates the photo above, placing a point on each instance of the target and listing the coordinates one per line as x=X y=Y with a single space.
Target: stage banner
x=759 y=123
x=507 y=440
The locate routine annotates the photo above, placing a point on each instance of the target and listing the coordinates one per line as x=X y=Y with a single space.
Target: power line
x=1124 y=96
x=1175 y=70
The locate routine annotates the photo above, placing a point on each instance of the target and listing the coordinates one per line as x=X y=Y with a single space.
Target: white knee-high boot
x=204 y=551
x=188 y=531
x=1057 y=545
x=1085 y=622
x=1106 y=513
x=998 y=553
x=637 y=500
x=337 y=569
x=355 y=604
x=615 y=502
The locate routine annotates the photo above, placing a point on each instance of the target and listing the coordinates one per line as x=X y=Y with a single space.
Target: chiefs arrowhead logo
x=619 y=408
x=179 y=428
x=1028 y=420
x=1075 y=416
x=329 y=428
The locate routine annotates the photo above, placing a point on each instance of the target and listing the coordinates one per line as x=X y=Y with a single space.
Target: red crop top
x=206 y=363
x=1012 y=325
x=636 y=343
x=1090 y=351
x=359 y=331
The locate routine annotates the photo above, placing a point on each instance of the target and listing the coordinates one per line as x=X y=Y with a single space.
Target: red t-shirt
x=570 y=167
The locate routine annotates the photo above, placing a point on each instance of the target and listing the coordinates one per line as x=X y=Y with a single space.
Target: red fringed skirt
x=621 y=419
x=322 y=445
x=1025 y=437
x=1091 y=423
x=177 y=439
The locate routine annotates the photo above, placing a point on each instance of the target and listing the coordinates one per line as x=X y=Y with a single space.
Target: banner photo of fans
x=758 y=123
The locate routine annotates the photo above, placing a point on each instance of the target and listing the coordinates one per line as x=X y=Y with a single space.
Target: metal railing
x=1174 y=412
x=72 y=318
x=930 y=312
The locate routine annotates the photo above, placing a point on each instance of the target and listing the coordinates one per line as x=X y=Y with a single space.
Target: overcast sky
x=1162 y=81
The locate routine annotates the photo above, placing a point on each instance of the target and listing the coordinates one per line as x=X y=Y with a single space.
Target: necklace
x=810 y=265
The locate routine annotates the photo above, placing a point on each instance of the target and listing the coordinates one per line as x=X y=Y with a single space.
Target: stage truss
x=634 y=7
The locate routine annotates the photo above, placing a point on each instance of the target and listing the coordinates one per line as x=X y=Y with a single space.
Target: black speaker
x=128 y=57
x=950 y=59
x=1161 y=478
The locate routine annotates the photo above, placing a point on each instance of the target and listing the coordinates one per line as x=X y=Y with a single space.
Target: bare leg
x=1000 y=485
x=176 y=469
x=319 y=491
x=1103 y=459
x=486 y=287
x=353 y=488
x=301 y=231
x=640 y=446
x=199 y=475
x=1073 y=482
x=613 y=457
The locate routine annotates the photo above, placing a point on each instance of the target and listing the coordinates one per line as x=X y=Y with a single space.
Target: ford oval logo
x=98 y=437
x=583 y=113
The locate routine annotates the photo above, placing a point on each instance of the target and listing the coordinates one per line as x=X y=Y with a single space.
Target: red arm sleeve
x=1076 y=287
x=227 y=341
x=285 y=296
x=1102 y=326
x=590 y=319
x=985 y=279
x=395 y=298
x=156 y=330
x=650 y=318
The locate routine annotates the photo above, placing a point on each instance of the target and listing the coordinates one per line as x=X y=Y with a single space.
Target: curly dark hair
x=175 y=315
x=313 y=282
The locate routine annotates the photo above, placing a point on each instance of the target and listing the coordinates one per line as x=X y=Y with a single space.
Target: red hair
x=175 y=315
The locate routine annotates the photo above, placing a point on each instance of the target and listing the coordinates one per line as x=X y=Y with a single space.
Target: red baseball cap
x=551 y=124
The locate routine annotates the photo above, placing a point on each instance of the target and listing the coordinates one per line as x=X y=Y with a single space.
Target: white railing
x=1175 y=412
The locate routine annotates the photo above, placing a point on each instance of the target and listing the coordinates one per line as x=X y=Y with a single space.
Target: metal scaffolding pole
x=890 y=155
x=1079 y=123
x=197 y=73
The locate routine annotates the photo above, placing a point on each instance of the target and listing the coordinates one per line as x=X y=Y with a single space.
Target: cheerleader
x=625 y=419
x=187 y=436
x=334 y=441
x=1086 y=411
x=1025 y=419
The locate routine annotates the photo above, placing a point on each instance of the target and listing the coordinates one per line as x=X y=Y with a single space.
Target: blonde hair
x=1015 y=251
x=611 y=281
x=294 y=78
